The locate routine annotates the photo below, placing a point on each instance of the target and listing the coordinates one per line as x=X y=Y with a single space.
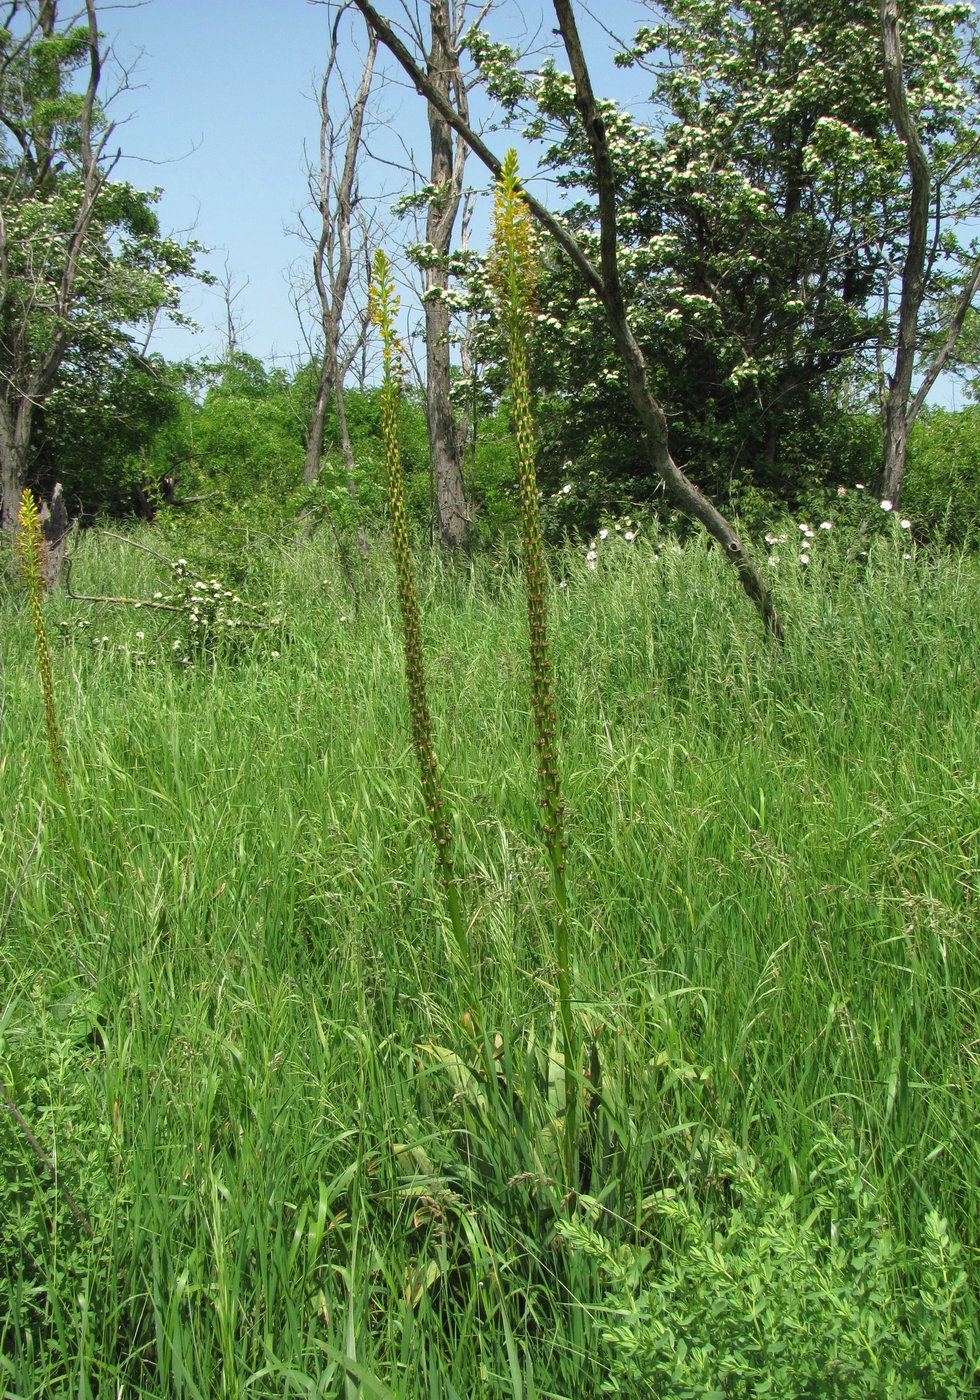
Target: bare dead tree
x=607 y=286
x=335 y=196
x=236 y=327
x=900 y=407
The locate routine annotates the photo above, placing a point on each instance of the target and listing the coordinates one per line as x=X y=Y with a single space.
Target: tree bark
x=900 y=407
x=607 y=287
x=896 y=420
x=446 y=178
x=15 y=442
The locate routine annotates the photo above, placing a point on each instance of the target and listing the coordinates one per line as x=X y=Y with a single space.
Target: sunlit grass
x=229 y=1037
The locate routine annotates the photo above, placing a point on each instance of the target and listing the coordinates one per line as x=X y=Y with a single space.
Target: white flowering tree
x=82 y=262
x=791 y=214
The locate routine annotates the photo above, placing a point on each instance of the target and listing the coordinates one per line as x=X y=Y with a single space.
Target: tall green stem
x=513 y=273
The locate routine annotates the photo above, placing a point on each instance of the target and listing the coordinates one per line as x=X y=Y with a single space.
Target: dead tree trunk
x=446 y=179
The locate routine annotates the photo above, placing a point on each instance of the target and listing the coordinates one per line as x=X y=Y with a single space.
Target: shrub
x=746 y=1295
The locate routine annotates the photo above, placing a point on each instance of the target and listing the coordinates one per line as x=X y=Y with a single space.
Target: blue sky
x=222 y=101
x=220 y=104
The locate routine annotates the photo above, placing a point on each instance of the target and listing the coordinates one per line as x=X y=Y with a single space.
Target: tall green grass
x=237 y=1036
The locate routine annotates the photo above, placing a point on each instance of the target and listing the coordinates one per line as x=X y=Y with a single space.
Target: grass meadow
x=237 y=1026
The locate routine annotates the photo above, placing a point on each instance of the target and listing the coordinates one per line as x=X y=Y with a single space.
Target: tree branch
x=939 y=360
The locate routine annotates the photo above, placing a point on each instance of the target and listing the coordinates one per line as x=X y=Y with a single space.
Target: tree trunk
x=314 y=437
x=446 y=176
x=896 y=414
x=15 y=438
x=895 y=443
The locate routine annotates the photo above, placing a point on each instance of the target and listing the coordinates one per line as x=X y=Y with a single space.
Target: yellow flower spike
x=30 y=556
x=384 y=307
x=513 y=271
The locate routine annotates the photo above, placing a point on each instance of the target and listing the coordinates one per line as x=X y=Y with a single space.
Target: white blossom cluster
x=622 y=531
x=201 y=620
x=215 y=621
x=810 y=537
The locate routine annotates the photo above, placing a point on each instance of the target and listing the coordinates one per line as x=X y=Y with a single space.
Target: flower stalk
x=30 y=556
x=384 y=308
x=513 y=270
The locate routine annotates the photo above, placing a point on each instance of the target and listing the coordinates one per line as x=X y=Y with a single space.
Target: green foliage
x=247 y=434
x=942 y=489
x=744 y=1292
x=101 y=431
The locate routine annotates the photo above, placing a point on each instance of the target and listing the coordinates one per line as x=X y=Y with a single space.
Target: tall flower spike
x=30 y=555
x=513 y=270
x=384 y=308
